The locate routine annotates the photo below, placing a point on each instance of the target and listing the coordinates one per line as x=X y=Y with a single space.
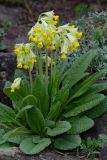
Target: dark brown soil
x=47 y=154
x=17 y=33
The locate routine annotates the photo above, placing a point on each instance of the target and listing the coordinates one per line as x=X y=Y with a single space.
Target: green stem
x=31 y=81
x=37 y=63
x=46 y=72
x=54 y=68
x=51 y=65
x=36 y=67
x=41 y=67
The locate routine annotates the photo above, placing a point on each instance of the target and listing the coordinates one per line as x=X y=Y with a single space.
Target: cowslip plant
x=55 y=105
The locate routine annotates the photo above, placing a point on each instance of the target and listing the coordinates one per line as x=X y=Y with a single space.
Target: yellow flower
x=64 y=56
x=33 y=61
x=53 y=31
x=72 y=49
x=79 y=35
x=17 y=50
x=73 y=26
x=44 y=35
x=19 y=65
x=38 y=30
x=40 y=45
x=34 y=39
x=27 y=50
x=23 y=52
x=16 y=84
x=55 y=23
x=48 y=39
x=55 y=18
x=76 y=44
x=30 y=37
x=53 y=47
x=25 y=66
x=47 y=46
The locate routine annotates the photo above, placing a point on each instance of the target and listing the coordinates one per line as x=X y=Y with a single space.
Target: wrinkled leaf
x=28 y=147
x=67 y=142
x=80 y=125
x=60 y=128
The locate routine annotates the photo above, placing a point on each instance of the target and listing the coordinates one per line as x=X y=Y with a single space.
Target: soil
x=45 y=155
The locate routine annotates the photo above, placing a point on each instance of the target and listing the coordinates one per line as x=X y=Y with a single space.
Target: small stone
x=3 y=75
x=11 y=151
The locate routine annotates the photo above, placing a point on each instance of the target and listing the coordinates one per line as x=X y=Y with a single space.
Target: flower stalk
x=46 y=72
x=31 y=81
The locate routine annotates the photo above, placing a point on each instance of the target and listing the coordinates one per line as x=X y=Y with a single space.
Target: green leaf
x=38 y=87
x=39 y=91
x=98 y=110
x=6 y=145
x=29 y=100
x=6 y=114
x=2 y=132
x=50 y=124
x=59 y=103
x=54 y=112
x=67 y=142
x=60 y=128
x=85 y=105
x=60 y=70
x=38 y=139
x=97 y=88
x=28 y=147
x=62 y=95
x=80 y=125
x=14 y=132
x=74 y=74
x=18 y=95
x=23 y=110
x=86 y=84
x=35 y=120
x=44 y=104
x=17 y=139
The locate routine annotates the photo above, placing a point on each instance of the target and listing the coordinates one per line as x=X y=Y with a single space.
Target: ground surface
x=48 y=154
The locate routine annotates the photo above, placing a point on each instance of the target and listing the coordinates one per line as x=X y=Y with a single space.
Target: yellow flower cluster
x=16 y=84
x=25 y=56
x=69 y=37
x=43 y=35
x=49 y=18
x=46 y=34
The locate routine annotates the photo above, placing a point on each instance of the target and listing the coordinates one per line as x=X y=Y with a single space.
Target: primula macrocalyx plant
x=59 y=102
